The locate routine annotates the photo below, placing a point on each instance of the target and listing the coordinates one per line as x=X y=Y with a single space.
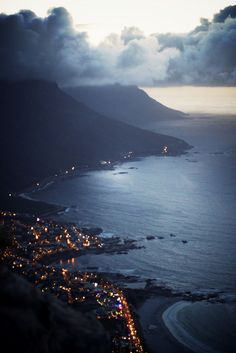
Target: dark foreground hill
x=125 y=103
x=33 y=322
x=44 y=130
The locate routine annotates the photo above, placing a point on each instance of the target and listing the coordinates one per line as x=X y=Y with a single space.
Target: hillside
x=125 y=103
x=43 y=324
x=44 y=130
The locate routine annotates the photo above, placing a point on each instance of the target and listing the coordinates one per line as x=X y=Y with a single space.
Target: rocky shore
x=110 y=246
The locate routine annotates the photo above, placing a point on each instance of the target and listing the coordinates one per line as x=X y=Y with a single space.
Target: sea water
x=192 y=197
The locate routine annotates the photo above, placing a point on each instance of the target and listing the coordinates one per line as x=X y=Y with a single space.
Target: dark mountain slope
x=40 y=323
x=43 y=130
x=125 y=103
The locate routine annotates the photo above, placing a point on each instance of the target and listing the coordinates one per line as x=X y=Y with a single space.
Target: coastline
x=23 y=203
x=148 y=302
x=155 y=305
x=157 y=336
x=171 y=321
x=79 y=171
x=26 y=206
x=203 y=327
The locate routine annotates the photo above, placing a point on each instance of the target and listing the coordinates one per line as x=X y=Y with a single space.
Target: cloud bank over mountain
x=51 y=48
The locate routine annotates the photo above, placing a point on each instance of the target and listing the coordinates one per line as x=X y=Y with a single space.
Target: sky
x=101 y=17
x=196 y=100
x=144 y=43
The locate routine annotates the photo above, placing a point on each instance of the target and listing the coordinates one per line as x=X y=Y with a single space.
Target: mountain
x=44 y=130
x=125 y=103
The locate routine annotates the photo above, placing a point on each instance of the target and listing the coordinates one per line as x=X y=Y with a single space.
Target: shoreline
x=74 y=171
x=29 y=207
x=148 y=303
x=157 y=337
x=79 y=171
x=203 y=327
x=164 y=332
x=170 y=320
x=22 y=203
x=164 y=301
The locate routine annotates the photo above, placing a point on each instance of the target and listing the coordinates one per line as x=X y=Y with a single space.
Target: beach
x=203 y=327
x=157 y=336
x=189 y=246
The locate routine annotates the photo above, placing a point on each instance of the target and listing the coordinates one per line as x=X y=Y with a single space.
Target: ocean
x=192 y=197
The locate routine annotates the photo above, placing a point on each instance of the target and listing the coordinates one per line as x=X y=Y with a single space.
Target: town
x=35 y=249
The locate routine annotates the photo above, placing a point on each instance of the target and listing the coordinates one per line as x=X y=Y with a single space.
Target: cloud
x=130 y=33
x=227 y=12
x=51 y=48
x=207 y=54
x=138 y=62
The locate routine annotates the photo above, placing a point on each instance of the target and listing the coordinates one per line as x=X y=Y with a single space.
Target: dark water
x=192 y=196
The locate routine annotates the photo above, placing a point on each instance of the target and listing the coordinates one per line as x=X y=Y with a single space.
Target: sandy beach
x=157 y=336
x=203 y=327
x=173 y=325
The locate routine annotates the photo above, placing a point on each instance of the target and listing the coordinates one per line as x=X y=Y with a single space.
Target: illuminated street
x=35 y=242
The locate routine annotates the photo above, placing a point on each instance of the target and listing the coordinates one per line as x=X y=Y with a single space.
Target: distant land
x=44 y=131
x=128 y=104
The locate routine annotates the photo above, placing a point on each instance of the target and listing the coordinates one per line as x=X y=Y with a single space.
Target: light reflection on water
x=196 y=100
x=192 y=196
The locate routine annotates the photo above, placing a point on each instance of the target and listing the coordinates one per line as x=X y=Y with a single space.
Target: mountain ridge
x=44 y=130
x=128 y=104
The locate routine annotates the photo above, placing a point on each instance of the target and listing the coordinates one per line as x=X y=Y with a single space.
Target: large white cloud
x=50 y=48
x=207 y=55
